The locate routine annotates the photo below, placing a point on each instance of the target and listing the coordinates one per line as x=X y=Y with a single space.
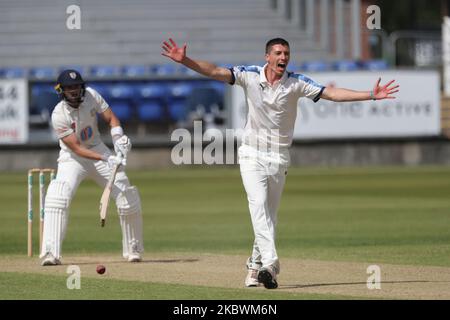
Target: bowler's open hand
x=386 y=91
x=172 y=51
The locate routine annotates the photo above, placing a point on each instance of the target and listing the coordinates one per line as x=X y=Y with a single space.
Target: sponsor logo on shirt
x=86 y=133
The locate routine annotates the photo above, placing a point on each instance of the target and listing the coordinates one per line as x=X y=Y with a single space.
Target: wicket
x=41 y=204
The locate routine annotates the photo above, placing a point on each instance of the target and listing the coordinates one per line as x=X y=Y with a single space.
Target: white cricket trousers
x=263 y=175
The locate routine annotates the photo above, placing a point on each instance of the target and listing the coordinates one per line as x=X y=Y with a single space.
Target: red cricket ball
x=101 y=269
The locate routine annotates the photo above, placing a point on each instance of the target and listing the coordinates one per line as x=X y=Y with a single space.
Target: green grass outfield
x=398 y=215
x=18 y=286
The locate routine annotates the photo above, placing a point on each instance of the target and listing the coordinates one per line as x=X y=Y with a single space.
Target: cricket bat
x=104 y=201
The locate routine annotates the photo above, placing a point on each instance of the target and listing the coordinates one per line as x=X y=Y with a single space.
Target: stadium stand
x=165 y=69
x=115 y=32
x=346 y=65
x=122 y=109
x=13 y=72
x=42 y=102
x=118 y=52
x=317 y=66
x=43 y=73
x=375 y=65
x=105 y=71
x=151 y=102
x=132 y=71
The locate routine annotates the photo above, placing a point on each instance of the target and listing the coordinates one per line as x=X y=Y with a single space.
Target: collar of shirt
x=263 y=79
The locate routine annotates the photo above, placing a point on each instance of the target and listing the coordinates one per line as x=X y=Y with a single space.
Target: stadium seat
x=375 y=65
x=135 y=71
x=151 y=111
x=43 y=100
x=181 y=89
x=122 y=110
x=105 y=71
x=121 y=91
x=38 y=88
x=120 y=98
x=219 y=86
x=152 y=91
x=316 y=66
x=187 y=71
x=43 y=73
x=204 y=98
x=13 y=72
x=178 y=110
x=177 y=100
x=346 y=65
x=151 y=101
x=165 y=69
x=101 y=88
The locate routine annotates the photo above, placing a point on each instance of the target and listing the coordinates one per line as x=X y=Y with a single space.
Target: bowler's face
x=278 y=59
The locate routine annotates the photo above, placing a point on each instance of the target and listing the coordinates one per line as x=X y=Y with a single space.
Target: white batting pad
x=56 y=207
x=129 y=206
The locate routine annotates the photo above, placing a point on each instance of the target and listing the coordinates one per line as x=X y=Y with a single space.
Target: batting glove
x=114 y=160
x=122 y=145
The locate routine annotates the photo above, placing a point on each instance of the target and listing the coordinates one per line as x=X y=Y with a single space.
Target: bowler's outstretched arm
x=378 y=93
x=177 y=54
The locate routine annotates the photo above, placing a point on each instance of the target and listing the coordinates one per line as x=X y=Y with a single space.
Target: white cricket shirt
x=82 y=120
x=272 y=110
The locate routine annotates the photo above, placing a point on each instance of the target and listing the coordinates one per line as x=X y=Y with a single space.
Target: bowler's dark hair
x=275 y=41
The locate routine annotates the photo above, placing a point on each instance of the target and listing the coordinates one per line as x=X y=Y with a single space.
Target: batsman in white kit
x=271 y=94
x=82 y=155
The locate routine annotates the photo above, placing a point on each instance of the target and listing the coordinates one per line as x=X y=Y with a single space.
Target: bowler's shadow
x=313 y=285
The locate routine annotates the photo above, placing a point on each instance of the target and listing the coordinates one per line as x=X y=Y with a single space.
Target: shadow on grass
x=312 y=285
x=136 y=263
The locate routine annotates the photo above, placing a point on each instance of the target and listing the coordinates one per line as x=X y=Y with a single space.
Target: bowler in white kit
x=82 y=155
x=271 y=94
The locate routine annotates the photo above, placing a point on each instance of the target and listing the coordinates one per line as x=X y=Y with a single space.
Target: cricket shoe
x=252 y=278
x=50 y=260
x=252 y=273
x=135 y=257
x=268 y=277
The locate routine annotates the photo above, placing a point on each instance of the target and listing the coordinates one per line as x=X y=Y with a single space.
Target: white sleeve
x=100 y=104
x=239 y=75
x=309 y=88
x=61 y=126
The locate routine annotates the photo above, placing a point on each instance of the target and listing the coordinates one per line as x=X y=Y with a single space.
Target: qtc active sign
x=414 y=113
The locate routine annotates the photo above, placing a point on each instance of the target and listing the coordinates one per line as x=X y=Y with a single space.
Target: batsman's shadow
x=313 y=285
x=168 y=260
x=137 y=263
